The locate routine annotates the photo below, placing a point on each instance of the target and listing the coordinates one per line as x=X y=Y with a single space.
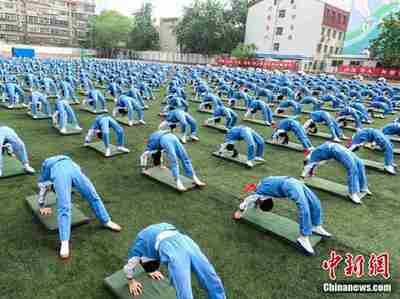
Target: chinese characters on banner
x=371 y=71
x=355 y=266
x=257 y=63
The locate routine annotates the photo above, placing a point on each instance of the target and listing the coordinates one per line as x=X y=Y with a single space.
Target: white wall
x=306 y=26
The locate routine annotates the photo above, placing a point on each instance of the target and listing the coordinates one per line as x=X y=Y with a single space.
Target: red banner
x=258 y=63
x=371 y=71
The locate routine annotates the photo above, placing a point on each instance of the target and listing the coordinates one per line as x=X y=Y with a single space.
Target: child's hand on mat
x=46 y=211
x=157 y=275
x=163 y=167
x=135 y=287
x=237 y=215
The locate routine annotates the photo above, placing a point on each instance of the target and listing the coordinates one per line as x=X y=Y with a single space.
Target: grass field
x=251 y=264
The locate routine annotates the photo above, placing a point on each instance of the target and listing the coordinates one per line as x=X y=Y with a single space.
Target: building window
x=269 y=18
x=334 y=34
x=325 y=49
x=328 y=33
x=331 y=50
x=337 y=51
x=276 y=46
x=267 y=28
x=279 y=30
x=340 y=35
x=323 y=31
x=291 y=1
x=282 y=13
x=275 y=2
x=333 y=16
x=293 y=17
x=319 y=48
x=292 y=27
x=290 y=37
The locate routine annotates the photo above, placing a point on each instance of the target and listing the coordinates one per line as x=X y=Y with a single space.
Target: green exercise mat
x=374 y=165
x=283 y=115
x=16 y=107
x=396 y=151
x=325 y=136
x=350 y=128
x=50 y=222
x=39 y=115
x=255 y=121
x=11 y=167
x=290 y=145
x=239 y=108
x=205 y=111
x=125 y=121
x=164 y=176
x=330 y=109
x=195 y=101
x=395 y=139
x=327 y=186
x=71 y=130
x=99 y=147
x=152 y=289
x=280 y=226
x=90 y=109
x=220 y=128
x=240 y=159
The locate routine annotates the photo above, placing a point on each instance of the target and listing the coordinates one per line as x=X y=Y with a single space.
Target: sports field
x=251 y=264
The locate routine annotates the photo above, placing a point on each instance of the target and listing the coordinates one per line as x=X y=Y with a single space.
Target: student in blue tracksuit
x=39 y=100
x=376 y=138
x=255 y=143
x=185 y=120
x=10 y=143
x=308 y=205
x=309 y=100
x=165 y=141
x=356 y=177
x=327 y=119
x=164 y=244
x=114 y=90
x=280 y=133
x=62 y=174
x=64 y=115
x=346 y=112
x=101 y=128
x=96 y=100
x=14 y=94
x=130 y=106
x=286 y=104
x=230 y=116
x=258 y=105
x=392 y=129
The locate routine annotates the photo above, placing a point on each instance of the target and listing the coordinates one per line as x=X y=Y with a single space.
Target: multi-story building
x=300 y=29
x=168 y=41
x=45 y=22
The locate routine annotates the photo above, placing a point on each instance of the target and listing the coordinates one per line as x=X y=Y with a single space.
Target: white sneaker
x=34 y=116
x=306 y=245
x=63 y=130
x=337 y=140
x=180 y=186
x=197 y=182
x=259 y=159
x=64 y=250
x=390 y=169
x=11 y=106
x=108 y=152
x=355 y=198
x=194 y=137
x=78 y=128
x=113 y=226
x=267 y=123
x=123 y=149
x=29 y=169
x=142 y=122
x=250 y=164
x=130 y=123
x=367 y=192
x=319 y=230
x=1 y=173
x=183 y=139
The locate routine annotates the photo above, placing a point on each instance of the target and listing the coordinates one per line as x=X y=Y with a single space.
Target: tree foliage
x=244 y=51
x=110 y=29
x=211 y=27
x=144 y=35
x=386 y=48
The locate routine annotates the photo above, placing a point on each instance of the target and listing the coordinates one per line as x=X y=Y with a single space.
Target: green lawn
x=251 y=264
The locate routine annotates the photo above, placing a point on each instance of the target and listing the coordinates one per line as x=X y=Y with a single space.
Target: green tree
x=386 y=48
x=210 y=27
x=109 y=30
x=244 y=51
x=144 y=35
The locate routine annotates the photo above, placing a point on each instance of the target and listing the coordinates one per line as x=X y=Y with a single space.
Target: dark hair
x=254 y=111
x=151 y=266
x=235 y=153
x=230 y=147
x=280 y=110
x=285 y=137
x=157 y=158
x=356 y=148
x=266 y=205
x=208 y=106
x=99 y=135
x=172 y=126
x=122 y=111
x=313 y=128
